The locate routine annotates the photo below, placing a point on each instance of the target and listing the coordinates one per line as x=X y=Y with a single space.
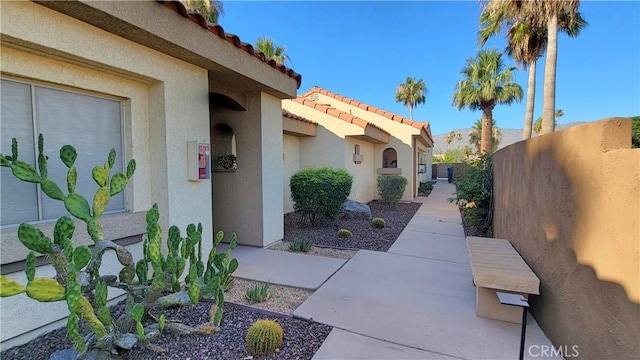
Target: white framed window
x=92 y=124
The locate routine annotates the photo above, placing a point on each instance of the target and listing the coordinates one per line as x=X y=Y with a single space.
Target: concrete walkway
x=417 y=301
x=283 y=268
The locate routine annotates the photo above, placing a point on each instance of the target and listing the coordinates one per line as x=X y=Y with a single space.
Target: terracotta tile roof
x=289 y=115
x=337 y=113
x=373 y=109
x=216 y=29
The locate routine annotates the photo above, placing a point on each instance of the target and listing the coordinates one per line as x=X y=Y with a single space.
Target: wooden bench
x=497 y=266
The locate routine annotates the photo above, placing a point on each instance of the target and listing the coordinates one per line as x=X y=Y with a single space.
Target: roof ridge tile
x=342 y=115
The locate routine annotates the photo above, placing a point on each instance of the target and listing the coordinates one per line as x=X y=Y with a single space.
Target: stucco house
x=161 y=86
x=347 y=134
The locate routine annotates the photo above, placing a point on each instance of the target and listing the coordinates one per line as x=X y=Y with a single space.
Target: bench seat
x=497 y=266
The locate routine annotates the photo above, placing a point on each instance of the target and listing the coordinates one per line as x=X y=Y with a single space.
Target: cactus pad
x=100 y=175
x=78 y=206
x=34 y=239
x=81 y=256
x=63 y=230
x=9 y=287
x=118 y=182
x=24 y=171
x=100 y=201
x=45 y=290
x=68 y=155
x=264 y=337
x=51 y=189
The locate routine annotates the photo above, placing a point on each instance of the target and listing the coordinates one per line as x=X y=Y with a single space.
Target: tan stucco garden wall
x=569 y=203
x=162 y=111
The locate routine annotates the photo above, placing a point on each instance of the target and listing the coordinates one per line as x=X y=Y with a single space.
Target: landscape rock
x=355 y=210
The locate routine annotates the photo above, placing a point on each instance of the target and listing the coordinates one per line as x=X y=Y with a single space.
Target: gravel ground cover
x=364 y=236
x=301 y=340
x=283 y=299
x=317 y=251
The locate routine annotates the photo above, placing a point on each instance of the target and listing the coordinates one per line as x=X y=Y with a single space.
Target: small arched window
x=223 y=146
x=389 y=158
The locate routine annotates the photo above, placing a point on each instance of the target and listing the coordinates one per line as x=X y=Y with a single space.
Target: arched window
x=389 y=158
x=223 y=147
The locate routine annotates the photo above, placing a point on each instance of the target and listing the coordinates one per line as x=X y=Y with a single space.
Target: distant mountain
x=509 y=136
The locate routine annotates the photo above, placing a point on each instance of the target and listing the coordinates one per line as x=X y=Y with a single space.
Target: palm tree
x=487 y=82
x=526 y=44
x=271 y=51
x=537 y=126
x=527 y=39
x=412 y=93
x=210 y=9
x=553 y=15
x=475 y=135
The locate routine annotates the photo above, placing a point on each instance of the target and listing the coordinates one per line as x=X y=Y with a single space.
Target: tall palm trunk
x=531 y=97
x=549 y=95
x=486 y=140
x=410 y=112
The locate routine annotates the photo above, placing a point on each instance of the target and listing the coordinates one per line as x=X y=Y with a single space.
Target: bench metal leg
x=517 y=300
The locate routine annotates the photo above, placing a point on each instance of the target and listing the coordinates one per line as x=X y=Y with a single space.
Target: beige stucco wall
x=568 y=201
x=364 y=174
x=400 y=139
x=333 y=147
x=163 y=110
x=249 y=200
x=291 y=156
x=272 y=169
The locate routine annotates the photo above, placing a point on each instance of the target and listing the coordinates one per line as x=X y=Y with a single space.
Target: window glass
x=91 y=124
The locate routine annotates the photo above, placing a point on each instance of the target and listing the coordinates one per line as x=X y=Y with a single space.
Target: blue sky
x=364 y=49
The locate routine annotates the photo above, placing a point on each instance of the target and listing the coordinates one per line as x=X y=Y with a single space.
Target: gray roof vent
x=314 y=96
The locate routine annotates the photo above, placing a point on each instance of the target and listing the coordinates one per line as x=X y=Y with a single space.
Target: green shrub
x=344 y=234
x=635 y=132
x=258 y=293
x=319 y=194
x=264 y=337
x=425 y=187
x=474 y=195
x=378 y=223
x=300 y=245
x=391 y=187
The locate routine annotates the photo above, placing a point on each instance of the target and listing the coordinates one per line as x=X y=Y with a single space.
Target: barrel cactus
x=264 y=337
x=378 y=223
x=344 y=234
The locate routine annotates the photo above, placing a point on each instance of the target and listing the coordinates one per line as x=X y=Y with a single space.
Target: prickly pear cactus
x=78 y=281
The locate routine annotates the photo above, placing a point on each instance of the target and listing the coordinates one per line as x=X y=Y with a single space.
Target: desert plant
x=425 y=187
x=264 y=337
x=300 y=245
x=228 y=284
x=344 y=234
x=391 y=187
x=258 y=293
x=227 y=161
x=319 y=194
x=378 y=223
x=474 y=195
x=78 y=280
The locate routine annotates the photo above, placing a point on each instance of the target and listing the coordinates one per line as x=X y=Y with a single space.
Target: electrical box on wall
x=199 y=160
